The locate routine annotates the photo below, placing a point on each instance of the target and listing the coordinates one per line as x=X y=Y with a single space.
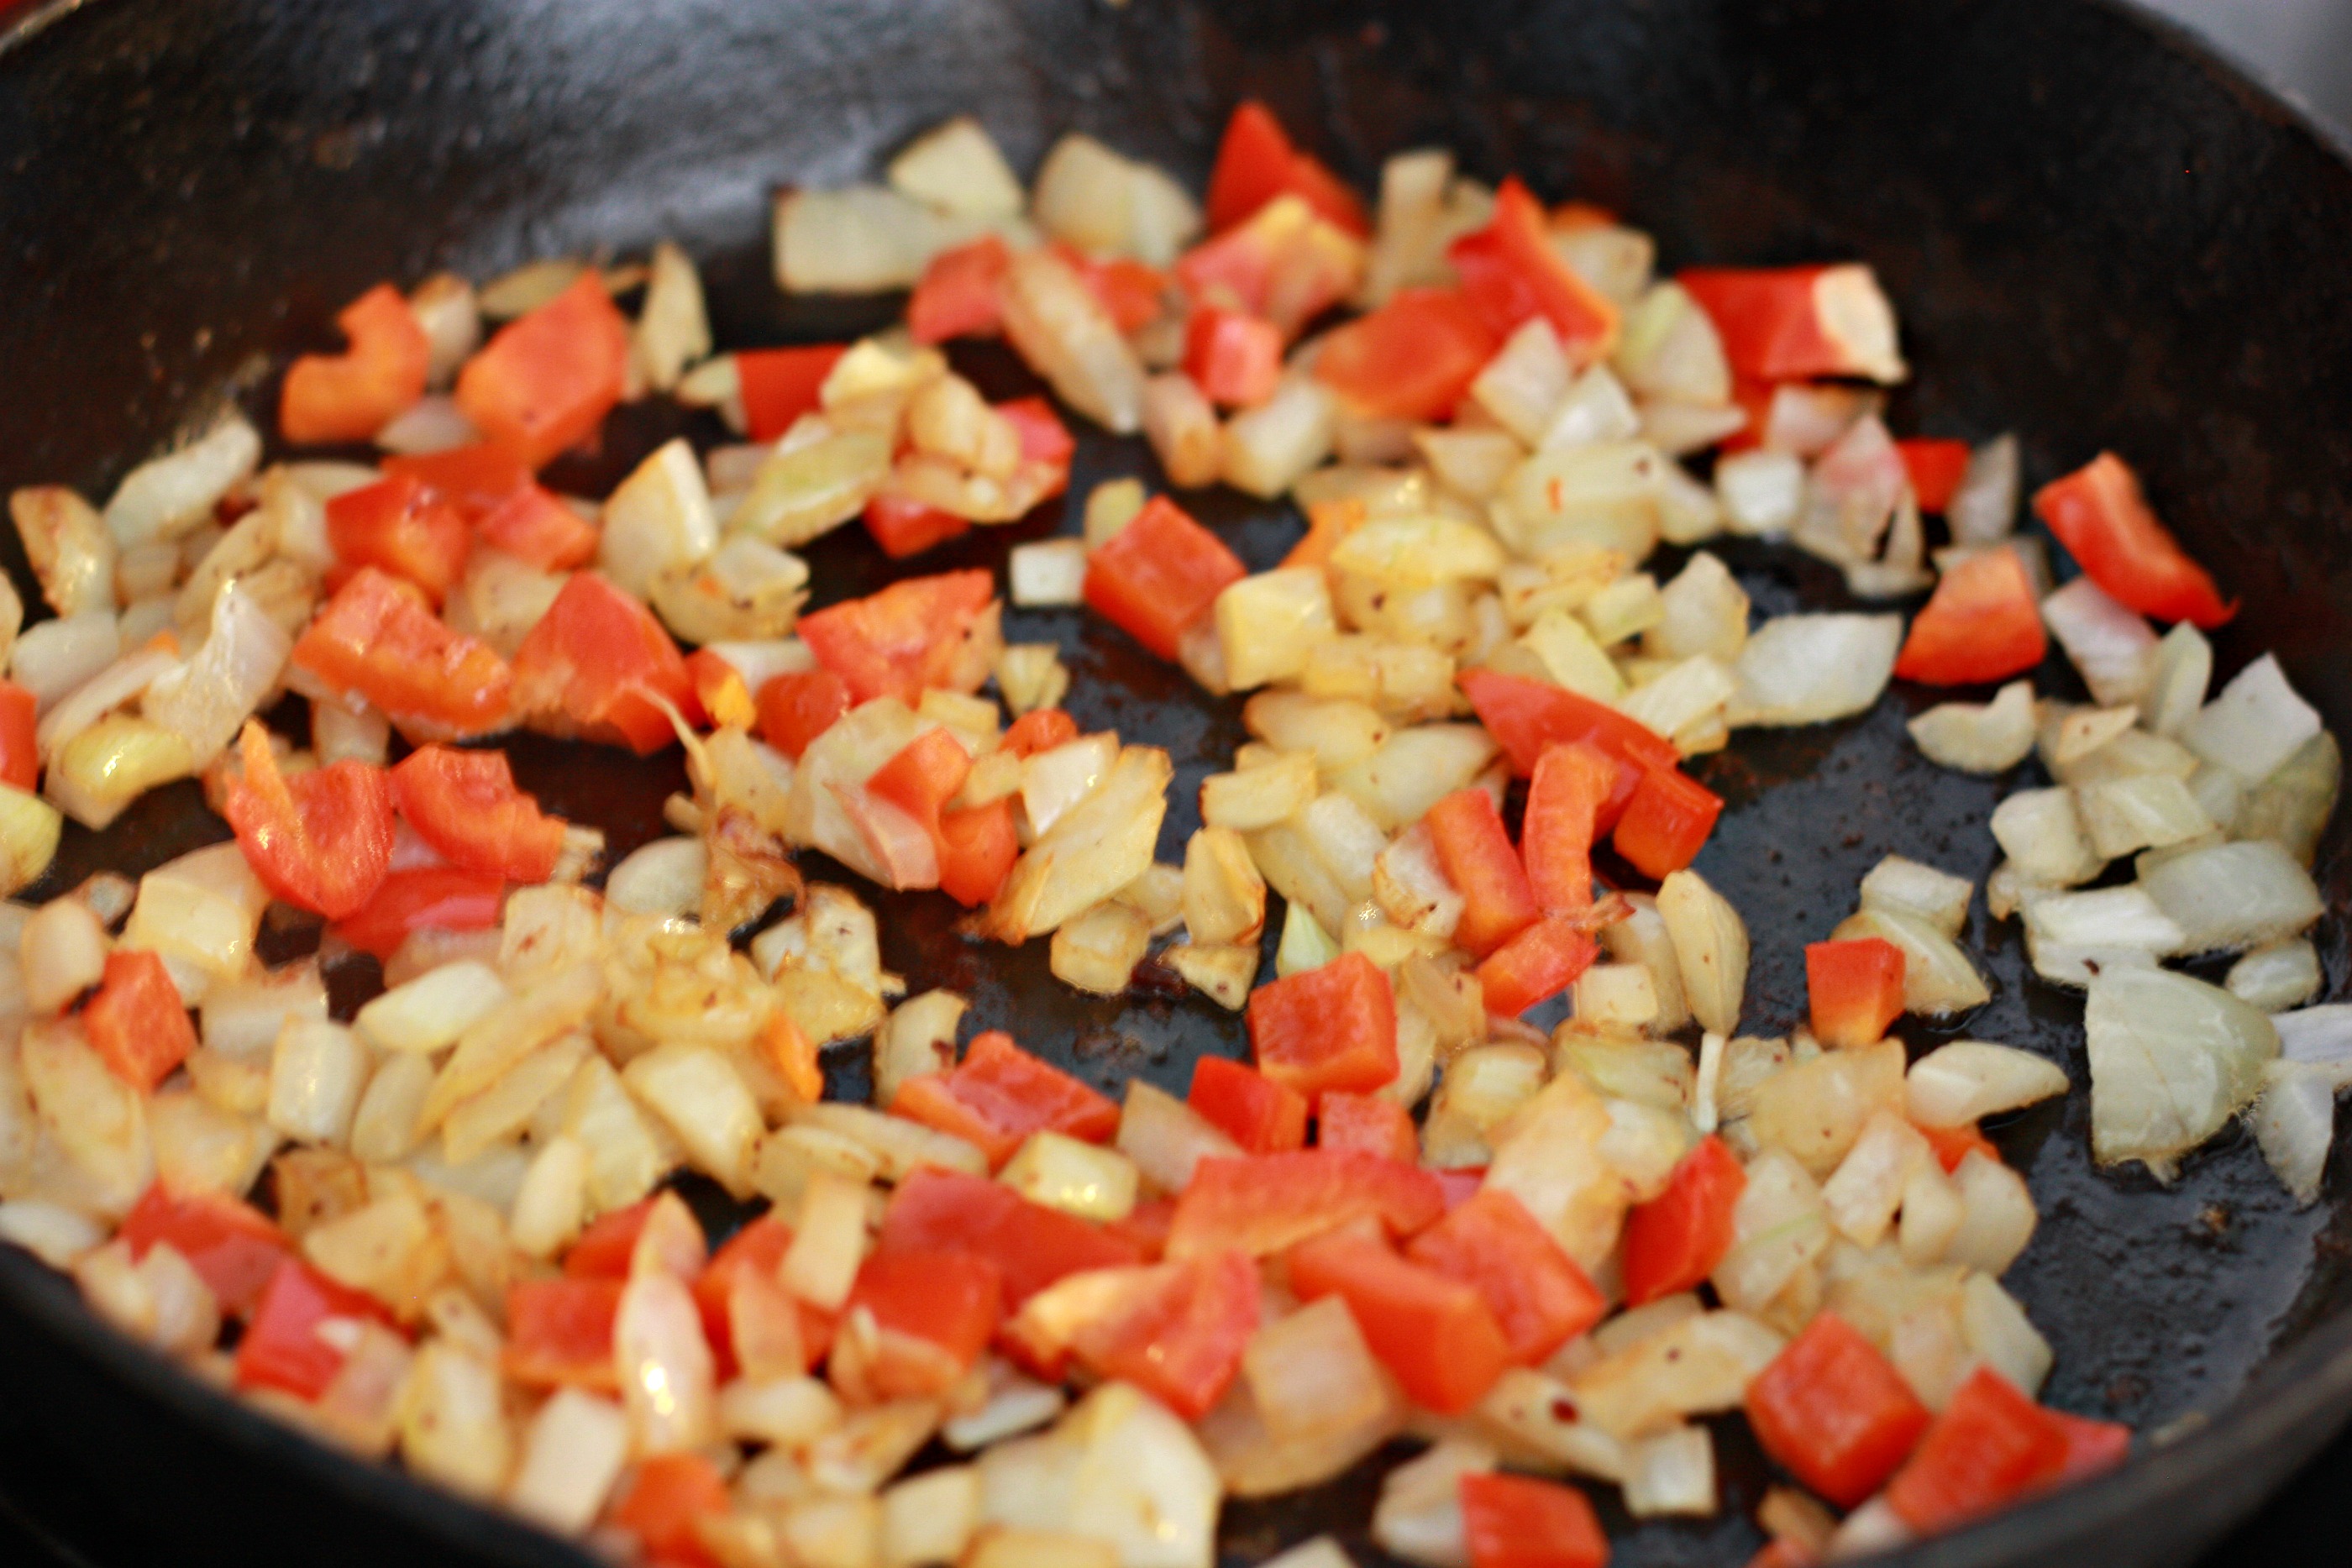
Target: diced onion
x=55 y=658
x=2281 y=975
x=2172 y=1059
x=1959 y=1084
x=1980 y=737
x=2293 y=1121
x=205 y=700
x=2256 y=722
x=2235 y=896
x=166 y=496
x=1710 y=944
x=2111 y=646
x=1166 y=1138
x=1808 y=669
x=1938 y=977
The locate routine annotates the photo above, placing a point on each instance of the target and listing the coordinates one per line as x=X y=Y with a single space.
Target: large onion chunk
x=2254 y=725
x=1956 y=1084
x=2235 y=896
x=2293 y=1121
x=2172 y=1059
x=1808 y=669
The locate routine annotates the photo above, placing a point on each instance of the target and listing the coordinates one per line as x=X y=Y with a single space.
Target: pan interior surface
x=2093 y=237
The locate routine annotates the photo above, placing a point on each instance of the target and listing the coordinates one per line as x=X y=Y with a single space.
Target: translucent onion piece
x=1808 y=669
x=1710 y=944
x=1956 y=1084
x=205 y=700
x=2111 y=646
x=166 y=496
x=2320 y=1036
x=1938 y=976
x=2254 y=725
x=1983 y=511
x=1980 y=737
x=2172 y=1060
x=1908 y=887
x=2235 y=896
x=2295 y=1121
x=2281 y=976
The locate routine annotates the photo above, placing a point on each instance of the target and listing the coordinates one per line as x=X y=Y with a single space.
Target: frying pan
x=2095 y=235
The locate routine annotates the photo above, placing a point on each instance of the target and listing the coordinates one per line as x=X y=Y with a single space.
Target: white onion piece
x=2320 y=1037
x=2256 y=724
x=1710 y=944
x=2041 y=832
x=2110 y=644
x=1983 y=511
x=1270 y=447
x=2234 y=895
x=2172 y=1059
x=2148 y=810
x=2000 y=1334
x=2284 y=975
x=957 y=167
x=1762 y=492
x=1979 y=738
x=1807 y=669
x=431 y=423
x=165 y=496
x=2293 y=1121
x=573 y=1453
x=1851 y=494
x=664 y=877
x=110 y=688
x=1048 y=573
x=2176 y=690
x=1419 y=1515
x=1067 y=337
x=1938 y=976
x=54 y=658
x=2070 y=936
x=663 y=1365
x=1938 y=897
x=205 y=700
x=1166 y=1138
x=1672 y=1473
x=1967 y=1079
x=1525 y=382
x=1997 y=1215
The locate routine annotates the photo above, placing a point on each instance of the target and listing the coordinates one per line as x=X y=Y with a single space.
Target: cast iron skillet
x=2095 y=235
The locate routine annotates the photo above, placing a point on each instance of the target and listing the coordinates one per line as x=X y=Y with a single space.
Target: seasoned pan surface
x=2094 y=236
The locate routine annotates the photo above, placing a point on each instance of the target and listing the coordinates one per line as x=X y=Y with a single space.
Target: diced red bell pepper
x=321 y=841
x=1236 y=360
x=726 y=698
x=1953 y=1144
x=1130 y=292
x=796 y=708
x=402 y=527
x=1146 y=1228
x=1158 y=574
x=2102 y=517
x=908 y=638
x=1260 y=1204
x=547 y=380
x=1543 y=960
x=598 y=666
x=1834 y=1413
x=423 y=898
x=1675 y=1239
x=1936 y=467
x=282 y=1347
x=476 y=479
x=951 y=1299
x=1262 y=1116
x=1433 y=1331
x=1285 y=262
x=1540 y=1299
x=1042 y=729
x=1569 y=786
x=20 y=755
x=1180 y=1334
x=1666 y=821
x=1028 y=1244
x=1517 y=1521
x=1855 y=987
x=351 y=396
x=906 y=528
x=956 y=295
x=1000 y=1095
x=1257 y=162
x=1474 y=849
x=603 y=1250
x=537 y=529
x=922 y=776
x=1511 y=272
x=2091 y=1447
x=136 y=1021
x=977 y=848
x=465 y=804
x=1413 y=358
x=757 y=1249
x=1043 y=437
x=666 y=1494
x=1527 y=719
x=778 y=386
x=1983 y=623
x=560 y=1331
x=1990 y=1446
x=1372 y=1122
x=377 y=638
x=1794 y=323
x=1325 y=1029
x=233 y=1246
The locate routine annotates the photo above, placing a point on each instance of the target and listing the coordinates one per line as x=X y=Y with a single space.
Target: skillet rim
x=2294 y=1404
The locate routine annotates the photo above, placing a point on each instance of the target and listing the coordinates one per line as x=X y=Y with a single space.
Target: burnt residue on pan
x=2093 y=237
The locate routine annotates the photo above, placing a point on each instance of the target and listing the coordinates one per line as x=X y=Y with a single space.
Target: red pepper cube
x=429 y=898
x=1177 y=1332
x=232 y=1246
x=1990 y=1447
x=796 y=708
x=536 y=526
x=947 y=1302
x=1262 y=1116
x=1372 y=1122
x=903 y=527
x=604 y=1249
x=1541 y=961
x=321 y=840
x=977 y=848
x=1832 y=1411
x=1413 y=358
x=1434 y=1334
x=599 y=665
x=1510 y=272
x=1158 y=574
x=1855 y=988
x=1540 y=1299
x=956 y=295
x=1236 y=360
x=282 y=1347
x=1476 y=855
x=905 y=639
x=1029 y=1245
x=546 y=381
x=378 y=639
x=1565 y=796
x=20 y=756
x=136 y=1021
x=1516 y=1521
x=1260 y=1204
x=1666 y=821
x=2100 y=514
x=1983 y=623
x=1000 y=1096
x=1257 y=162
x=351 y=396
x=1527 y=719
x=666 y=1494
x=1675 y=1239
x=559 y=1333
x=1326 y=1028
x=466 y=805
x=1935 y=468
x=402 y=528
x=778 y=386
x=1795 y=323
